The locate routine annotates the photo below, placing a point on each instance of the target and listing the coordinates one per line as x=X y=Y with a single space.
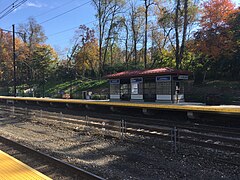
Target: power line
x=60 y=32
x=5 y=30
x=47 y=12
x=11 y=8
x=8 y=7
x=69 y=29
x=9 y=31
x=64 y=12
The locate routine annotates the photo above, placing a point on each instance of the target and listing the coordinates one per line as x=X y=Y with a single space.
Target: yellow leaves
x=26 y=56
x=87 y=57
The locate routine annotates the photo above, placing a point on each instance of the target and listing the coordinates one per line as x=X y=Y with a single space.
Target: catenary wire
x=69 y=29
x=65 y=12
x=8 y=7
x=14 y=7
x=53 y=9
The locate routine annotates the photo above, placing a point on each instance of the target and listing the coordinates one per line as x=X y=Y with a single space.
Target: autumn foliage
x=216 y=42
x=197 y=37
x=215 y=38
x=215 y=13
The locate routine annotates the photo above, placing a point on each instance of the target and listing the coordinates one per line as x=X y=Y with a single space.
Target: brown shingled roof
x=143 y=73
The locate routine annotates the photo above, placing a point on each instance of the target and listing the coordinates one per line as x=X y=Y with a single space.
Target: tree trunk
x=146 y=31
x=100 y=38
x=184 y=30
x=126 y=46
x=134 y=42
x=176 y=24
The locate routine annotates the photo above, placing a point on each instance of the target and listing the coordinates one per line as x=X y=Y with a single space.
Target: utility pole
x=14 y=62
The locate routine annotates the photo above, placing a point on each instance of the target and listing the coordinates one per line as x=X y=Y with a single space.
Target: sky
x=42 y=10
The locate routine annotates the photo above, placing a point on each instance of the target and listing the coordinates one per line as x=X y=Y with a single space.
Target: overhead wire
x=65 y=12
x=11 y=8
x=69 y=29
x=53 y=9
x=8 y=6
x=1 y=29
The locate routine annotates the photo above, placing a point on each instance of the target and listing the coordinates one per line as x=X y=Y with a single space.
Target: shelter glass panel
x=125 y=91
x=114 y=89
x=163 y=88
x=137 y=86
x=149 y=90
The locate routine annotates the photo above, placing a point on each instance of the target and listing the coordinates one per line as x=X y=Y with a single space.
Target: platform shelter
x=155 y=85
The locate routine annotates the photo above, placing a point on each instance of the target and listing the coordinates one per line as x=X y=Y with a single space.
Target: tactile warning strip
x=13 y=169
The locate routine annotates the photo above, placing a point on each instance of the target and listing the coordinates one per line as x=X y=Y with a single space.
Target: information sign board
x=137 y=80
x=163 y=78
x=183 y=77
x=115 y=81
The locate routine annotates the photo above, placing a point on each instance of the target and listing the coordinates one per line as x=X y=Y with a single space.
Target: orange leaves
x=215 y=38
x=215 y=13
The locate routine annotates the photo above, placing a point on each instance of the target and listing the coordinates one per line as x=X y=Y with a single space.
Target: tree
x=136 y=15
x=147 y=4
x=215 y=40
x=32 y=33
x=180 y=48
x=175 y=19
x=6 y=56
x=29 y=53
x=86 y=51
x=45 y=59
x=215 y=13
x=87 y=59
x=107 y=11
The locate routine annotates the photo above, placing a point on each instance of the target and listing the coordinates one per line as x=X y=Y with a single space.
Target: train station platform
x=186 y=107
x=11 y=168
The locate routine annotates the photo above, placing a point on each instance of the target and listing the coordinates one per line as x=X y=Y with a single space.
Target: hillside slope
x=218 y=92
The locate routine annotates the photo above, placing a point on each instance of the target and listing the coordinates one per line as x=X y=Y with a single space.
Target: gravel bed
x=112 y=158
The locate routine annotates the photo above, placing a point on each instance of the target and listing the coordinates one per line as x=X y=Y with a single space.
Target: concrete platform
x=196 y=107
x=11 y=168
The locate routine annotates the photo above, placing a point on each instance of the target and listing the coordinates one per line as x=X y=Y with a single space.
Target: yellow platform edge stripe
x=31 y=172
x=217 y=109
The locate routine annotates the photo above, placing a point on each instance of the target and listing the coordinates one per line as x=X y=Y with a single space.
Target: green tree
x=175 y=20
x=107 y=12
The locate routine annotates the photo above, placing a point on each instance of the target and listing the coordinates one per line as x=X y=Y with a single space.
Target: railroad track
x=50 y=166
x=226 y=139
x=220 y=130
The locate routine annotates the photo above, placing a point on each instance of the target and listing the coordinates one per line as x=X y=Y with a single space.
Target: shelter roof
x=144 y=73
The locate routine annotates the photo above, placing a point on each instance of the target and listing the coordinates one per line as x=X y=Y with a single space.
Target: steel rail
x=78 y=172
x=232 y=132
x=218 y=131
x=189 y=137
